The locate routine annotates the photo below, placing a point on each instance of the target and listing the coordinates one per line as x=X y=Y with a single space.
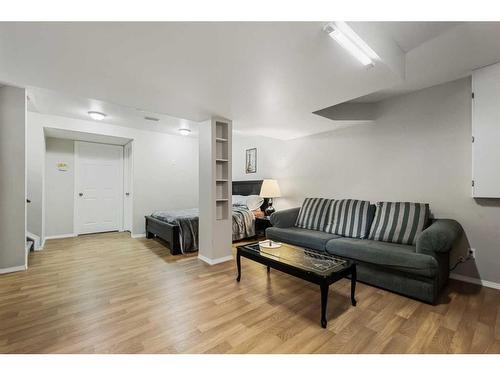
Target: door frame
x=128 y=168
x=76 y=231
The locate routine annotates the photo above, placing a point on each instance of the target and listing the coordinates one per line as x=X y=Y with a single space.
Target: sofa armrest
x=438 y=237
x=285 y=218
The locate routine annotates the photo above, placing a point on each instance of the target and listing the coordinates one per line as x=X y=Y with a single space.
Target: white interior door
x=98 y=187
x=127 y=186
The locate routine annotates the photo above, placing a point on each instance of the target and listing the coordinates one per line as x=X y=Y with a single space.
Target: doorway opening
x=86 y=184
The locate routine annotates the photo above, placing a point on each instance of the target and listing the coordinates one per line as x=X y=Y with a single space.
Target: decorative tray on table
x=269 y=244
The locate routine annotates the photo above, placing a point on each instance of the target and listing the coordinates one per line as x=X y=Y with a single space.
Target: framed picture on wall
x=251 y=161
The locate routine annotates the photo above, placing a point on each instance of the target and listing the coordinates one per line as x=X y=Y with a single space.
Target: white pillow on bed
x=239 y=200
x=254 y=202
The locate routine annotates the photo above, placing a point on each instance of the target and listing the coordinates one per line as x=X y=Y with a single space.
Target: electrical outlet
x=472 y=253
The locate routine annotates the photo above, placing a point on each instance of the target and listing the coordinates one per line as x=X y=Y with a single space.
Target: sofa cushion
x=388 y=255
x=313 y=214
x=399 y=222
x=349 y=218
x=311 y=239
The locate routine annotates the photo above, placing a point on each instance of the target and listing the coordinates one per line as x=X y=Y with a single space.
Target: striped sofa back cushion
x=399 y=222
x=349 y=218
x=313 y=214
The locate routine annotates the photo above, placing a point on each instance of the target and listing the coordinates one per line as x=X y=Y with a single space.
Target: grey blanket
x=243 y=223
x=187 y=220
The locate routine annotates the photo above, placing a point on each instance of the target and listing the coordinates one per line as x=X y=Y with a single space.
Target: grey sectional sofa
x=418 y=271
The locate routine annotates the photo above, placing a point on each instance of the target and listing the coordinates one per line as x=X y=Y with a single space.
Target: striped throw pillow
x=313 y=214
x=399 y=222
x=349 y=218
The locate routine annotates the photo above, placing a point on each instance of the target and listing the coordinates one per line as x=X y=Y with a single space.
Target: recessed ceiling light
x=184 y=131
x=347 y=38
x=96 y=115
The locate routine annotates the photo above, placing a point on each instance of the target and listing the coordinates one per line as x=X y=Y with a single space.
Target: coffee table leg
x=238 y=265
x=353 y=285
x=324 y=302
x=268 y=269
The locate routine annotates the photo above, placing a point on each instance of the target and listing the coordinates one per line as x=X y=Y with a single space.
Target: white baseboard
x=59 y=236
x=13 y=269
x=140 y=235
x=36 y=239
x=215 y=261
x=473 y=280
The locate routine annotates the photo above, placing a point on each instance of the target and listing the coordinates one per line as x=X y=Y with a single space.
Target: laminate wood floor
x=109 y=293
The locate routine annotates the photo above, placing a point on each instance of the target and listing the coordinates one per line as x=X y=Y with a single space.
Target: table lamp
x=270 y=189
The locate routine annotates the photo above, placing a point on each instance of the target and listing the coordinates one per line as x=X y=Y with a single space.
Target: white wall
x=419 y=149
x=12 y=178
x=59 y=187
x=165 y=172
x=271 y=157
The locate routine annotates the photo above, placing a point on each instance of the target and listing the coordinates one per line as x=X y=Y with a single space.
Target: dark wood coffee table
x=318 y=268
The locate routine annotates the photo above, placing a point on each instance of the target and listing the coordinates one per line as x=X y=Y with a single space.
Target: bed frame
x=170 y=233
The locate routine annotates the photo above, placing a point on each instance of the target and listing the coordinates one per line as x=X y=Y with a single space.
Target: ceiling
x=54 y=103
x=268 y=77
x=451 y=55
x=409 y=35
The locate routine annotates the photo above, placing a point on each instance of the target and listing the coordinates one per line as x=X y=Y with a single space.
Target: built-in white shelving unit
x=215 y=190
x=222 y=185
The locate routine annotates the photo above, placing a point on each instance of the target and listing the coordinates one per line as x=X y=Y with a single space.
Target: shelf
x=221 y=130
x=221 y=210
x=222 y=173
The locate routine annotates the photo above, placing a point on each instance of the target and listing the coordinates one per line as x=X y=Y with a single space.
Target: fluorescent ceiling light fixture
x=347 y=38
x=184 y=131
x=96 y=115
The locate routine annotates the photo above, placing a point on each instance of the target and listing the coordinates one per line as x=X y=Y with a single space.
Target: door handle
x=80 y=194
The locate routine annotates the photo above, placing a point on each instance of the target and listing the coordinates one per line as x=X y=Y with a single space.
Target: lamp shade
x=270 y=189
